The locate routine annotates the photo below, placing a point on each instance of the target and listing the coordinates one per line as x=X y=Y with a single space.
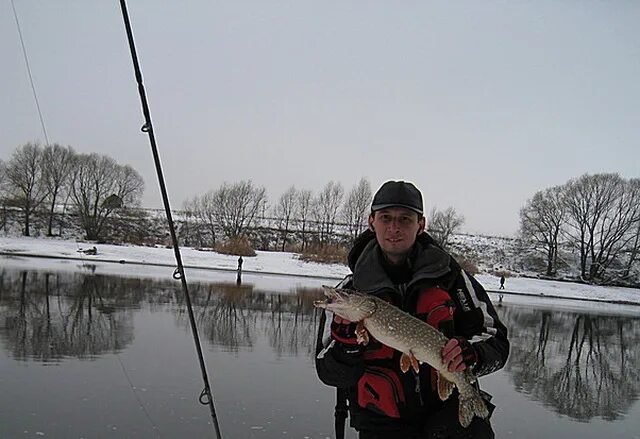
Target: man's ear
x=422 y=222
x=370 y=221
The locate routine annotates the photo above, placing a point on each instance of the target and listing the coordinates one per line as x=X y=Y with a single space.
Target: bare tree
x=26 y=183
x=202 y=209
x=59 y=162
x=3 y=190
x=603 y=210
x=100 y=186
x=632 y=240
x=3 y=176
x=328 y=204
x=541 y=221
x=129 y=186
x=356 y=207
x=204 y=228
x=633 y=250
x=304 y=202
x=236 y=206
x=284 y=212
x=442 y=224
x=583 y=210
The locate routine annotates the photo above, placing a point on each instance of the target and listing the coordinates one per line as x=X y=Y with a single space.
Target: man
x=398 y=261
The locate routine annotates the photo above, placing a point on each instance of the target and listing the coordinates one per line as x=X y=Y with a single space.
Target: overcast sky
x=480 y=103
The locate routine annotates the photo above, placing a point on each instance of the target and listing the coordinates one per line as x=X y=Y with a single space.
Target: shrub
x=505 y=273
x=327 y=254
x=238 y=246
x=468 y=264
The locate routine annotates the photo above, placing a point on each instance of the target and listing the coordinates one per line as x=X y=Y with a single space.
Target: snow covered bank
x=203 y=266
x=264 y=262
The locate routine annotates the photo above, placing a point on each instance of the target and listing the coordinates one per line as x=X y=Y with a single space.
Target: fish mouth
x=320 y=303
x=331 y=295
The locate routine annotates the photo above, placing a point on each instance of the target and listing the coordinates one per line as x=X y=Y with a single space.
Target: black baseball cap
x=398 y=194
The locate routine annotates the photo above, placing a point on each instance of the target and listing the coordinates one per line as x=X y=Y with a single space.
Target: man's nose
x=394 y=224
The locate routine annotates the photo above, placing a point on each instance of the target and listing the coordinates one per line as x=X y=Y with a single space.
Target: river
x=85 y=355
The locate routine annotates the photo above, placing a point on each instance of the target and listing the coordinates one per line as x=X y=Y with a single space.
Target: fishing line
x=206 y=397
x=26 y=61
x=124 y=369
x=140 y=403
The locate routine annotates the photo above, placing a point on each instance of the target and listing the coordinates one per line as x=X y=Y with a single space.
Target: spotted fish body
x=410 y=335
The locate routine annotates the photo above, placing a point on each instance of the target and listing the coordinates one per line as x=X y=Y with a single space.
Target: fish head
x=349 y=305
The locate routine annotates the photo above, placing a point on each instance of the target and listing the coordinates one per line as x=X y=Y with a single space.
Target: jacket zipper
x=417 y=388
x=402 y=291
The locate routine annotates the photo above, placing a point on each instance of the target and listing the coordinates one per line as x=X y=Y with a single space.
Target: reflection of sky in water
x=106 y=356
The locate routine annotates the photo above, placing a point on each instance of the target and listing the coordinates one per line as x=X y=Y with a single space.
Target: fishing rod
x=206 y=397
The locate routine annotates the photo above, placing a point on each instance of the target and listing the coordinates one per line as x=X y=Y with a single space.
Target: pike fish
x=417 y=340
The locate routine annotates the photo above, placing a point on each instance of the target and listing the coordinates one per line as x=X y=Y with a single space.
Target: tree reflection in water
x=52 y=316
x=580 y=365
x=235 y=316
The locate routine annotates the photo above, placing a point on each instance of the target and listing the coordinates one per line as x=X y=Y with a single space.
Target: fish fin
x=471 y=405
x=362 y=336
x=408 y=361
x=414 y=363
x=445 y=387
x=405 y=362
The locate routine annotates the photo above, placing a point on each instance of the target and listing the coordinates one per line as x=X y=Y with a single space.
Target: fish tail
x=471 y=405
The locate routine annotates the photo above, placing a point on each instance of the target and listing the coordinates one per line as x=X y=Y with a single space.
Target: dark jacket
x=380 y=396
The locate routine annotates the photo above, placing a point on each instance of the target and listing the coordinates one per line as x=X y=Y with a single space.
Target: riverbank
x=198 y=263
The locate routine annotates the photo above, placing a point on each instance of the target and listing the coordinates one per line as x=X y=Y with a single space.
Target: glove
x=347 y=349
x=344 y=331
x=459 y=354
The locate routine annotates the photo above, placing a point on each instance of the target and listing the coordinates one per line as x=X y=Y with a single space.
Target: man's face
x=396 y=229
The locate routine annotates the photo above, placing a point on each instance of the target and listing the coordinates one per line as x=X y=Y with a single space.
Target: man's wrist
x=468 y=352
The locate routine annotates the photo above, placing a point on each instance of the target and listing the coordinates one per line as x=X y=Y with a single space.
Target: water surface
x=89 y=355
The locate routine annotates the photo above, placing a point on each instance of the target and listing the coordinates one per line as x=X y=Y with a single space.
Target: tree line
x=238 y=209
x=40 y=178
x=101 y=197
x=594 y=217
x=298 y=216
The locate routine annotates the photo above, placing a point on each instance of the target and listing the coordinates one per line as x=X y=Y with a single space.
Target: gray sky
x=480 y=103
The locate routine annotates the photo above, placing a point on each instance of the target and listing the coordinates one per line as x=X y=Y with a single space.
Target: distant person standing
x=239 y=270
x=502 y=279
